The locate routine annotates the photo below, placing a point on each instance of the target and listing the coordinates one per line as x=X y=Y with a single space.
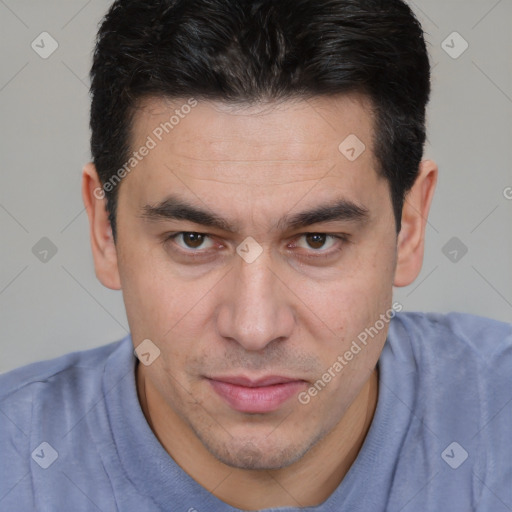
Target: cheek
x=342 y=310
x=166 y=309
x=154 y=303
x=355 y=297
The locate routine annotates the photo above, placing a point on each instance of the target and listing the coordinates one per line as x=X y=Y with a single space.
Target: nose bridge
x=255 y=311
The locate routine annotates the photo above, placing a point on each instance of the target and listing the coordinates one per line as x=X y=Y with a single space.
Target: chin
x=249 y=456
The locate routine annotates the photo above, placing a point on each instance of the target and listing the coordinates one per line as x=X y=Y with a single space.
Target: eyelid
x=333 y=238
x=341 y=238
x=170 y=237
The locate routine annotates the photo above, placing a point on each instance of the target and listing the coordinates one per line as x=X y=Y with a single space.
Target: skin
x=284 y=314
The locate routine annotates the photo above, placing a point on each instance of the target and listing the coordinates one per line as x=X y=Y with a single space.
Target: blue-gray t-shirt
x=73 y=436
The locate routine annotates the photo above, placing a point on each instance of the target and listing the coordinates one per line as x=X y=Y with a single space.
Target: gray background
x=51 y=307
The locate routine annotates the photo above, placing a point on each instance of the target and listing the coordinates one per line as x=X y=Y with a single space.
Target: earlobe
x=411 y=239
x=102 y=242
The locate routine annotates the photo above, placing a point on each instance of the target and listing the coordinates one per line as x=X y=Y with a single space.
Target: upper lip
x=242 y=380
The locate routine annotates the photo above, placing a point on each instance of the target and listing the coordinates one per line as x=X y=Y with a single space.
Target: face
x=247 y=326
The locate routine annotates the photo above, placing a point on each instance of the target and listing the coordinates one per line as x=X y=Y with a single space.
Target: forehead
x=265 y=158
x=293 y=136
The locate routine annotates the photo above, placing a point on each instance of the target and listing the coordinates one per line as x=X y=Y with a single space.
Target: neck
x=308 y=482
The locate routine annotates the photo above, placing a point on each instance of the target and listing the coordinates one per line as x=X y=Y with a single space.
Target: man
x=257 y=189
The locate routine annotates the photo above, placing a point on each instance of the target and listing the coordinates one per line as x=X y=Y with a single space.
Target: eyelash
x=344 y=239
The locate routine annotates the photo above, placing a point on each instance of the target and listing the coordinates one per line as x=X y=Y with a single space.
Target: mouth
x=263 y=395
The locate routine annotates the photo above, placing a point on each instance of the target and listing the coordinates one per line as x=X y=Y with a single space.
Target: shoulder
x=59 y=389
x=454 y=372
x=42 y=408
x=458 y=363
x=454 y=368
x=452 y=335
x=65 y=367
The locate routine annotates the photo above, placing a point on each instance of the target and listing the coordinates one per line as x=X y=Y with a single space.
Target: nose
x=256 y=308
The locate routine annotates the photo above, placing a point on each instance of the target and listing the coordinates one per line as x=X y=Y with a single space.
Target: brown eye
x=316 y=240
x=191 y=245
x=193 y=240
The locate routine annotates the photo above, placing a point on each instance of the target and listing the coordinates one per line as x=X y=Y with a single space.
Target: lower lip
x=259 y=399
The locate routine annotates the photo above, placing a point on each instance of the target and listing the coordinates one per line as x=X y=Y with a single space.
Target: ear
x=411 y=239
x=102 y=242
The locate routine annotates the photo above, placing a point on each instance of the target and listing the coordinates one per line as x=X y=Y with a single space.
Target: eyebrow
x=175 y=208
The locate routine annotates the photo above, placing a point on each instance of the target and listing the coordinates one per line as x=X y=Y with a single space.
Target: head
x=299 y=124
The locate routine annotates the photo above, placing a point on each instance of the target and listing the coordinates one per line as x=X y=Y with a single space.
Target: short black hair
x=261 y=50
